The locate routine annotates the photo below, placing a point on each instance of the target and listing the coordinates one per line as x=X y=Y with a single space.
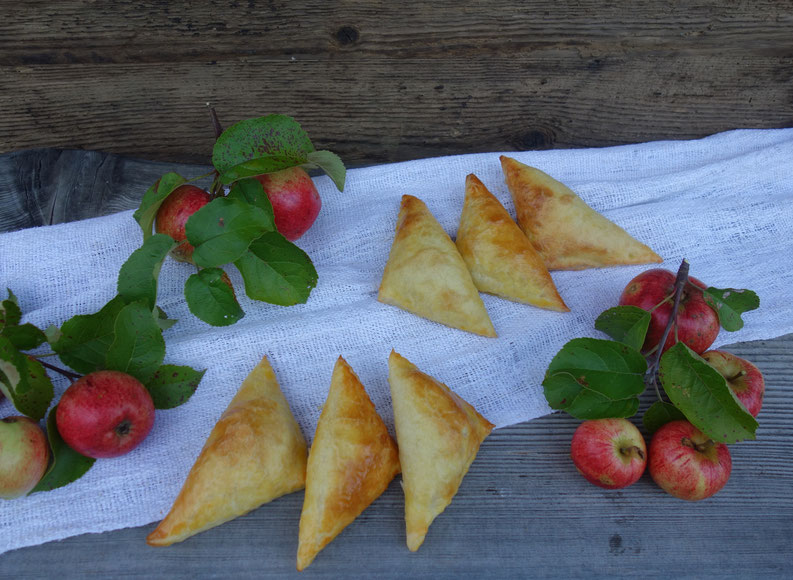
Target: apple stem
x=632 y=451
x=68 y=374
x=680 y=283
x=701 y=447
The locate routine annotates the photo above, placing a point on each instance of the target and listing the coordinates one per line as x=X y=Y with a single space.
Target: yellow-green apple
x=696 y=324
x=295 y=200
x=610 y=453
x=745 y=379
x=686 y=463
x=24 y=455
x=105 y=414
x=172 y=216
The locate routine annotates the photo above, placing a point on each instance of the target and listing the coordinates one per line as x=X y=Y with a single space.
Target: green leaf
x=85 y=338
x=267 y=164
x=277 y=271
x=66 y=465
x=52 y=333
x=222 y=230
x=172 y=385
x=625 y=324
x=592 y=378
x=275 y=142
x=25 y=336
x=331 y=164
x=660 y=413
x=251 y=191
x=564 y=392
x=729 y=304
x=138 y=347
x=211 y=298
x=24 y=381
x=137 y=279
x=153 y=198
x=163 y=321
x=702 y=394
x=10 y=313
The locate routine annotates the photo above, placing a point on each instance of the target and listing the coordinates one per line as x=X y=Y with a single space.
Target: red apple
x=105 y=414
x=696 y=325
x=295 y=199
x=745 y=379
x=172 y=216
x=686 y=463
x=24 y=455
x=609 y=452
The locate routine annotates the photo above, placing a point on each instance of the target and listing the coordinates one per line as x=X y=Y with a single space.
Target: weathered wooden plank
x=131 y=79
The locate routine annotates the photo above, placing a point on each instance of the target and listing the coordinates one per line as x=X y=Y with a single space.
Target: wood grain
x=379 y=82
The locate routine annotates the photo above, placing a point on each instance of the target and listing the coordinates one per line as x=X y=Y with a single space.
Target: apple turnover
x=254 y=454
x=438 y=434
x=498 y=254
x=568 y=234
x=351 y=462
x=426 y=275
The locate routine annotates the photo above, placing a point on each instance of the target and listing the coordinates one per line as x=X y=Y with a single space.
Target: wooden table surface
x=99 y=99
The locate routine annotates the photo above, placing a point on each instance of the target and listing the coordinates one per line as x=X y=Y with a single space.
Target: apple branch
x=68 y=374
x=651 y=378
x=217 y=188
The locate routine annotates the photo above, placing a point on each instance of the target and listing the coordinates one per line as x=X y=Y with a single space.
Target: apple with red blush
x=610 y=453
x=24 y=456
x=105 y=414
x=173 y=214
x=686 y=463
x=745 y=379
x=295 y=200
x=696 y=324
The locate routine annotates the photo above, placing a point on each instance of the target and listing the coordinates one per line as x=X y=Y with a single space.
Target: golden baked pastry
x=426 y=275
x=568 y=234
x=498 y=254
x=438 y=434
x=254 y=454
x=351 y=462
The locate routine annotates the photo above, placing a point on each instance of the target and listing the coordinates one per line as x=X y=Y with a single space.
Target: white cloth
x=725 y=203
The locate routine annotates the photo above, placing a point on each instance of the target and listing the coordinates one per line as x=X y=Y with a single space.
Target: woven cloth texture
x=725 y=203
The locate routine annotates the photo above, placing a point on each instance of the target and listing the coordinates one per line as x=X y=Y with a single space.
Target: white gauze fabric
x=725 y=203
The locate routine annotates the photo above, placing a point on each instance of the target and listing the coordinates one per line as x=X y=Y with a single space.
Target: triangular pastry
x=254 y=454
x=351 y=462
x=498 y=254
x=568 y=234
x=438 y=434
x=426 y=275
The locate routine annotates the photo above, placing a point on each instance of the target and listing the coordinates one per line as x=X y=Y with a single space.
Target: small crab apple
x=745 y=379
x=173 y=214
x=696 y=324
x=686 y=463
x=295 y=200
x=24 y=455
x=105 y=414
x=610 y=453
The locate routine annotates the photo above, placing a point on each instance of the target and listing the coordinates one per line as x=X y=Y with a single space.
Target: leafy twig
x=651 y=378
x=217 y=187
x=68 y=374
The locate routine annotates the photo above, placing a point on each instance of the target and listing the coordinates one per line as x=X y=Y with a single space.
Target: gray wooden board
x=522 y=510
x=389 y=81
